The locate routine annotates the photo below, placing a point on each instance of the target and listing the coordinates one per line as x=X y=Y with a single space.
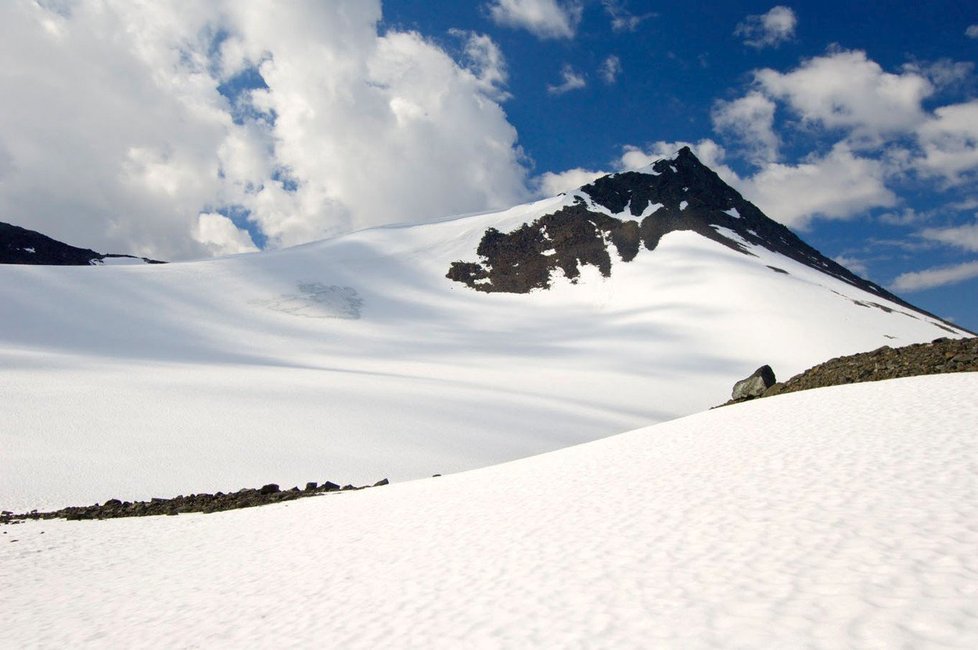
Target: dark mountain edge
x=679 y=194
x=22 y=246
x=940 y=356
x=204 y=503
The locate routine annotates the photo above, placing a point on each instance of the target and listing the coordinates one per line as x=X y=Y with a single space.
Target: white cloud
x=610 y=69
x=623 y=20
x=551 y=183
x=119 y=139
x=221 y=236
x=964 y=236
x=972 y=31
x=943 y=73
x=543 y=18
x=936 y=277
x=486 y=62
x=839 y=185
x=768 y=30
x=846 y=90
x=751 y=120
x=570 y=80
x=906 y=217
x=854 y=264
x=950 y=142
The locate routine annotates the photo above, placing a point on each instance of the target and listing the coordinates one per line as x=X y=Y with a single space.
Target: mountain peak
x=610 y=220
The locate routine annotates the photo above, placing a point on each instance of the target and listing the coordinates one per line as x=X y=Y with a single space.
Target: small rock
x=382 y=481
x=329 y=486
x=311 y=485
x=271 y=488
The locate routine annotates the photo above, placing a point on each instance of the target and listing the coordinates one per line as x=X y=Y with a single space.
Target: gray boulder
x=755 y=385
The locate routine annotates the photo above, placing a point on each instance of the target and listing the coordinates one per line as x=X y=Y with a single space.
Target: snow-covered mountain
x=402 y=352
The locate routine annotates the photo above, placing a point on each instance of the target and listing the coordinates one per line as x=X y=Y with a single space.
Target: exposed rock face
x=630 y=211
x=21 y=246
x=755 y=385
x=937 y=357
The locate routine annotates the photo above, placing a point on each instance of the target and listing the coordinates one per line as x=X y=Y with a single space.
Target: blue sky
x=180 y=131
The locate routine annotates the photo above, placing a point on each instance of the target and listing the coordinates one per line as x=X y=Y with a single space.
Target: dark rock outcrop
x=937 y=357
x=22 y=246
x=673 y=194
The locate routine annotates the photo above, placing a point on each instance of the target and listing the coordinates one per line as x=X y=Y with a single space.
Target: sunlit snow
x=837 y=518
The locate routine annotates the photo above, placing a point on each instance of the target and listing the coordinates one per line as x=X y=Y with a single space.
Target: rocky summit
x=630 y=211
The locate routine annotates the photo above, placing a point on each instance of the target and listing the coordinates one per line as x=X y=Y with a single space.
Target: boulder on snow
x=755 y=385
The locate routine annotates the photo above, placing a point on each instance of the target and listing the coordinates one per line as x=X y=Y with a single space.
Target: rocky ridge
x=940 y=356
x=205 y=503
x=22 y=246
x=629 y=211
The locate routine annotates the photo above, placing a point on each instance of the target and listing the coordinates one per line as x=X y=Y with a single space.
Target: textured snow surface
x=355 y=359
x=844 y=517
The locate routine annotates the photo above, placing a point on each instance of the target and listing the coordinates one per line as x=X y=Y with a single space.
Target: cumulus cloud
x=623 y=20
x=750 y=119
x=120 y=138
x=553 y=183
x=854 y=264
x=219 y=234
x=936 y=277
x=871 y=110
x=839 y=185
x=972 y=31
x=543 y=18
x=610 y=69
x=570 y=80
x=768 y=30
x=950 y=142
x=483 y=58
x=847 y=90
x=943 y=73
x=964 y=236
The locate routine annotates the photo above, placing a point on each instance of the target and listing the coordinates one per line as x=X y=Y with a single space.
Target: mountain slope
x=839 y=517
x=636 y=208
x=22 y=246
x=355 y=358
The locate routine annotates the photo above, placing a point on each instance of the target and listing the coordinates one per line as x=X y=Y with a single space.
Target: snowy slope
x=355 y=359
x=840 y=517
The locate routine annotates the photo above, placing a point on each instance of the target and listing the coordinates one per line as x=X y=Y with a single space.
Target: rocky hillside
x=939 y=356
x=617 y=216
x=22 y=246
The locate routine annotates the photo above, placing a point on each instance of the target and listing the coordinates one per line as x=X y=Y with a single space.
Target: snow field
x=355 y=359
x=842 y=517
